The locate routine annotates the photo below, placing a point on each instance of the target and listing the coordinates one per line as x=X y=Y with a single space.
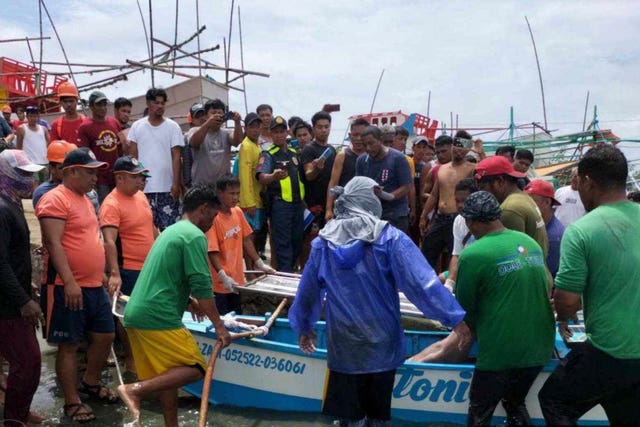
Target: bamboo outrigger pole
x=375 y=95
x=535 y=51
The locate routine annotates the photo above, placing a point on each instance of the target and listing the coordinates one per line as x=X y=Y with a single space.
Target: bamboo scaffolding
x=24 y=39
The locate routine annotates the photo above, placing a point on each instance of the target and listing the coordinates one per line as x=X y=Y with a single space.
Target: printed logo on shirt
x=107 y=140
x=232 y=233
x=519 y=260
x=384 y=176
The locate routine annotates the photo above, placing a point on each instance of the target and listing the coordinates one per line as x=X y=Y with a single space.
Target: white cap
x=18 y=159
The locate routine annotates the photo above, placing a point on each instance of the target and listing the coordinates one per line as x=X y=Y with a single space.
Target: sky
x=476 y=58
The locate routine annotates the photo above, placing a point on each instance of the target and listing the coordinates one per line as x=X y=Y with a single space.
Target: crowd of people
x=173 y=220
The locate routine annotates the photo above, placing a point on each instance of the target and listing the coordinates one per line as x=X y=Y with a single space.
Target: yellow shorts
x=155 y=352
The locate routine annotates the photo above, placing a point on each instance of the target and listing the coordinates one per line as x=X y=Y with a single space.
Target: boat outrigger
x=271 y=372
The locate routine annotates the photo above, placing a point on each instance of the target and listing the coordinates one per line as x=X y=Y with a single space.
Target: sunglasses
x=462 y=142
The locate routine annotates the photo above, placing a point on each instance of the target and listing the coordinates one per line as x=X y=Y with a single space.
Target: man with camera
x=211 y=145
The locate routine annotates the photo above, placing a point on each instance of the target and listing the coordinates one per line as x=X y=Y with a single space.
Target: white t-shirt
x=154 y=151
x=460 y=231
x=571 y=207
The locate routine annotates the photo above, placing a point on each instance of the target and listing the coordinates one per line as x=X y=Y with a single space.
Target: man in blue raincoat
x=359 y=263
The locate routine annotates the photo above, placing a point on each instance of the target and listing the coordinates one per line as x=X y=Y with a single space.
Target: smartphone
x=326 y=154
x=579 y=336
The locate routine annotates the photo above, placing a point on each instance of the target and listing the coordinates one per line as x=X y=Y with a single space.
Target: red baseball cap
x=542 y=188
x=496 y=165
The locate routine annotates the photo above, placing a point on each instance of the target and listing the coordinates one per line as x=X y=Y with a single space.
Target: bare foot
x=127 y=394
x=35 y=419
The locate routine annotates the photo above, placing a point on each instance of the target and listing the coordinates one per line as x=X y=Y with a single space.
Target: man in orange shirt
x=80 y=303
x=66 y=127
x=227 y=238
x=127 y=227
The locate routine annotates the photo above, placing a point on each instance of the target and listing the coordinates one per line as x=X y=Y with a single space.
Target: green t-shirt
x=502 y=285
x=175 y=268
x=600 y=259
x=520 y=213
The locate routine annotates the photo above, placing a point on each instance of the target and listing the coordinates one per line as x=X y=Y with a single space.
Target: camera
x=227 y=116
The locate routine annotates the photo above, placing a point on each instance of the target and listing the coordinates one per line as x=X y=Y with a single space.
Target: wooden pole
x=244 y=84
x=158 y=68
x=198 y=26
x=153 y=81
x=64 y=52
x=144 y=27
x=24 y=39
x=228 y=62
x=39 y=77
x=586 y=106
x=429 y=104
x=535 y=51
x=375 y=95
x=206 y=386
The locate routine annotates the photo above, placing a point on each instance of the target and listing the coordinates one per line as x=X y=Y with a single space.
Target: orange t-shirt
x=225 y=237
x=81 y=237
x=132 y=216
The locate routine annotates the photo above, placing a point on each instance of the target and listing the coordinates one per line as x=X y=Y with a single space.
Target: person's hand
x=31 y=313
x=228 y=283
x=308 y=342
x=423 y=225
x=450 y=284
x=260 y=265
x=328 y=215
x=237 y=118
x=176 y=191
x=73 y=296
x=464 y=334
x=564 y=331
x=196 y=312
x=223 y=335
x=113 y=285
x=251 y=211
x=279 y=174
x=318 y=163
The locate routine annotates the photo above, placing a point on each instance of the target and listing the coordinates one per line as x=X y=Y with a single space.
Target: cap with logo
x=82 y=158
x=481 y=206
x=496 y=165
x=542 y=188
x=18 y=159
x=32 y=109
x=97 y=96
x=58 y=149
x=251 y=118
x=130 y=165
x=278 y=121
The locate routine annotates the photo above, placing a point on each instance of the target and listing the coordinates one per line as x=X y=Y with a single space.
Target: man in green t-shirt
x=502 y=285
x=519 y=212
x=600 y=272
x=174 y=277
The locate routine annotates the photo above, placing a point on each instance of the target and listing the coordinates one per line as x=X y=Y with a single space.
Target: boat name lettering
x=253 y=359
x=418 y=389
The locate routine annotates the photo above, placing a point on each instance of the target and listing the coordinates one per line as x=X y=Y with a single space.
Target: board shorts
x=65 y=326
x=155 y=352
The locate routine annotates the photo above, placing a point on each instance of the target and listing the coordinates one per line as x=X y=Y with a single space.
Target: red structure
x=19 y=82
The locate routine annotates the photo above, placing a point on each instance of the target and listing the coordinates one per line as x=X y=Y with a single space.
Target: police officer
x=278 y=170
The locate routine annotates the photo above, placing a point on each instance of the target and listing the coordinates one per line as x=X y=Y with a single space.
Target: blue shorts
x=67 y=326
x=129 y=278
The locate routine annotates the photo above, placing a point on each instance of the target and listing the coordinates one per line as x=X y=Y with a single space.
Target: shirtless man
x=440 y=233
x=344 y=167
x=442 y=151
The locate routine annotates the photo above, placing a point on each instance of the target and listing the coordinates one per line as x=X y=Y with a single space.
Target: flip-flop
x=94 y=391
x=75 y=416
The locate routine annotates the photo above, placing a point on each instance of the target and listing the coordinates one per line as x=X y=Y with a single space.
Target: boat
x=271 y=372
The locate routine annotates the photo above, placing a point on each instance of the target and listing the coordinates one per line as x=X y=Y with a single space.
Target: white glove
x=451 y=285
x=228 y=283
x=260 y=265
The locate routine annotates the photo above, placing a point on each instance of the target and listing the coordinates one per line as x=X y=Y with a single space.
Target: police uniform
x=285 y=198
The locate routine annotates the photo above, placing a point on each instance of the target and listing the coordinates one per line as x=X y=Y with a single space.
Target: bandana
x=481 y=206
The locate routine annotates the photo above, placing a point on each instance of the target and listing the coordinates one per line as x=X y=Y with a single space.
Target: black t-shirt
x=316 y=190
x=15 y=260
x=348 y=167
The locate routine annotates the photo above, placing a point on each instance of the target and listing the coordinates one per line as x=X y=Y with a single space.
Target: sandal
x=99 y=392
x=79 y=417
